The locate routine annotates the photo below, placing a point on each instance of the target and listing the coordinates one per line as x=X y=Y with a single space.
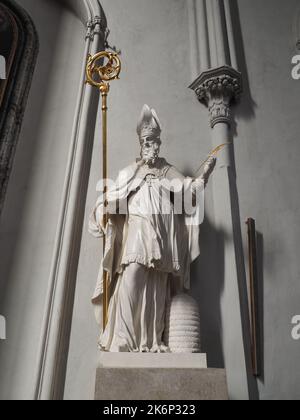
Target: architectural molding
x=199 y=42
x=230 y=35
x=53 y=349
x=16 y=89
x=96 y=26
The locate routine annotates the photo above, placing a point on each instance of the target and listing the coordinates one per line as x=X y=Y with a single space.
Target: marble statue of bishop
x=149 y=247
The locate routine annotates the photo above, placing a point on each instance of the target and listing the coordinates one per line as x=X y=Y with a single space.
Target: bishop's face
x=150 y=148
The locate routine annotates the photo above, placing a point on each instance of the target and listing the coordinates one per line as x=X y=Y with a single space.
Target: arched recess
x=19 y=47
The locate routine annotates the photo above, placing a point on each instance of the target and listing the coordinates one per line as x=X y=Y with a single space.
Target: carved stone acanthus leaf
x=218 y=88
x=219 y=111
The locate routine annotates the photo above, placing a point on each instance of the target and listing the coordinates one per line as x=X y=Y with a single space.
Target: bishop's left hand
x=209 y=167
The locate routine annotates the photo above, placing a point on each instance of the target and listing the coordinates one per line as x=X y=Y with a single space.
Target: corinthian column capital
x=218 y=88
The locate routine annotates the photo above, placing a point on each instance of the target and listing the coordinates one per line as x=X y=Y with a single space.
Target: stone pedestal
x=129 y=376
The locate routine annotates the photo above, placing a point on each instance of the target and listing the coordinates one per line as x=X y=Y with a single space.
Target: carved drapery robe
x=147 y=255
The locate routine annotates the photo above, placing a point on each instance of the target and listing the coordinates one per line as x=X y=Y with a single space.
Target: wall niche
x=19 y=49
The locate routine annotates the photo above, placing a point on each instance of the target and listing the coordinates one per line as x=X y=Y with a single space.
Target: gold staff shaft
x=104 y=93
x=99 y=76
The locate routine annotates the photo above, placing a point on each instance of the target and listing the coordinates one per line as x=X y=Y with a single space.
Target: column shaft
x=219 y=33
x=230 y=35
x=203 y=35
x=194 y=41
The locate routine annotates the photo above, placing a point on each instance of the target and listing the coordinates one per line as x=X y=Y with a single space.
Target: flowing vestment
x=148 y=252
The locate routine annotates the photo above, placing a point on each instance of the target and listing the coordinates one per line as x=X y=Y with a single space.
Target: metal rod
x=252 y=246
x=104 y=93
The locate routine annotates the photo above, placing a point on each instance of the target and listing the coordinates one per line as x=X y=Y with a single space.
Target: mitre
x=148 y=124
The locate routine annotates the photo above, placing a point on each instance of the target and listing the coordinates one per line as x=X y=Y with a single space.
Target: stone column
x=217 y=89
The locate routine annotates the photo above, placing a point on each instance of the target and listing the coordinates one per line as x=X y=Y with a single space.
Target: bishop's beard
x=149 y=157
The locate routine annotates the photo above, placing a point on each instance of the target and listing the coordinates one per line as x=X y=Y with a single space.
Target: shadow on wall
x=246 y=106
x=207 y=274
x=246 y=110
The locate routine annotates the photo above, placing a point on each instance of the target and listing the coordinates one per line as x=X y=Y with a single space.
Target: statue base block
x=158 y=377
